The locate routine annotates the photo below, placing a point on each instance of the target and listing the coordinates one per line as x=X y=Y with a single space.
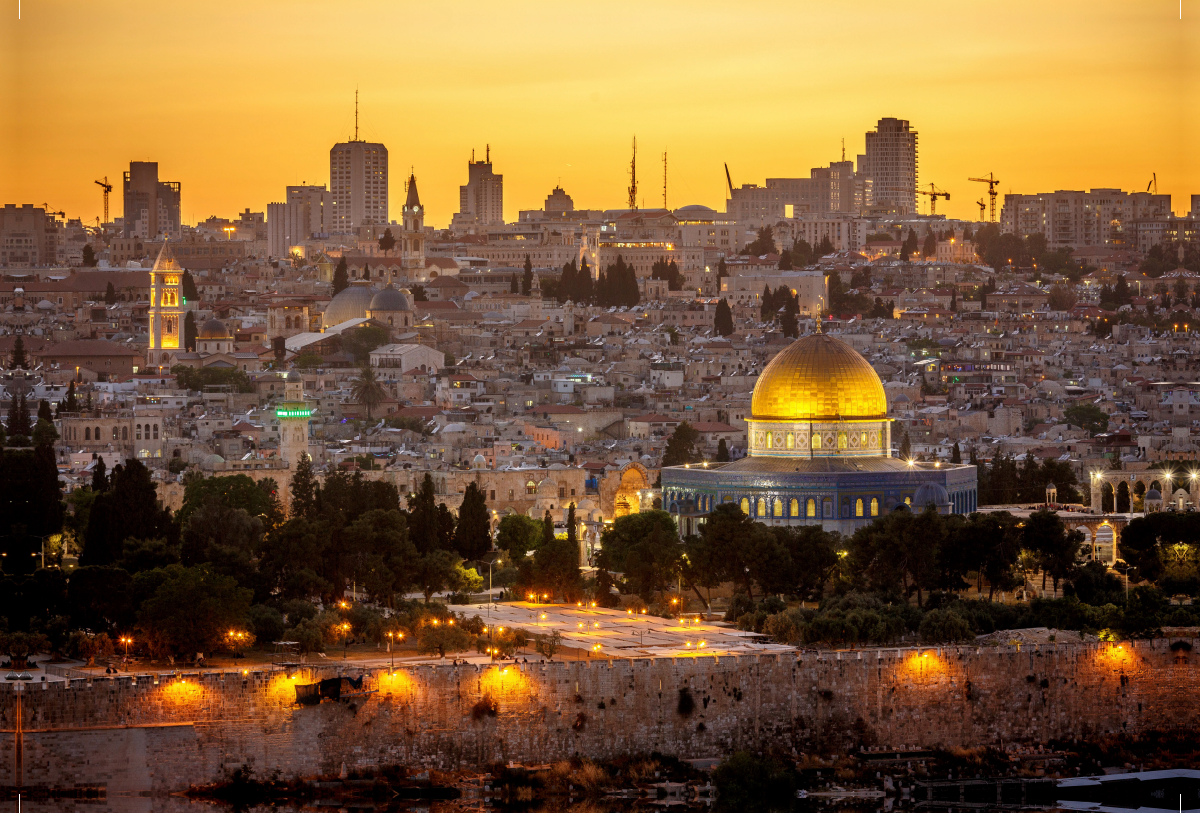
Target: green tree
x=723 y=319
x=189 y=332
x=44 y=413
x=419 y=295
x=366 y=389
x=514 y=286
x=192 y=609
x=929 y=247
x=341 y=277
x=681 y=447
x=764 y=243
x=382 y=557
x=423 y=516
x=722 y=451
x=110 y=294
x=517 y=535
x=128 y=509
x=387 y=241
x=472 y=534
x=527 y=277
x=18 y=357
x=1087 y=416
x=905 y=445
x=1055 y=546
x=236 y=491
x=71 y=402
x=99 y=477
x=89 y=256
x=189 y=291
x=304 y=489
x=789 y=326
x=955 y=454
x=433 y=572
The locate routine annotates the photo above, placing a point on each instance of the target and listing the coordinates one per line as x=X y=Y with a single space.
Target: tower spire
x=356 y=113
x=664 y=179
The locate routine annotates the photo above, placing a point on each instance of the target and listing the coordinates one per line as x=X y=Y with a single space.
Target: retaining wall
x=163 y=733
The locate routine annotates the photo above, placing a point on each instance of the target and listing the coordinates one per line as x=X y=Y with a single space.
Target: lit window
x=791 y=440
x=762 y=507
x=745 y=506
x=795 y=508
x=816 y=440
x=777 y=508
x=858 y=508
x=874 y=507
x=811 y=508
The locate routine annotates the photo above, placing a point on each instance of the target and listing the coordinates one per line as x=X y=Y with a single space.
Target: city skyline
x=766 y=90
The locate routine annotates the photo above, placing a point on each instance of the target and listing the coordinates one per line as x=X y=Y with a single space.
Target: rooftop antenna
x=664 y=179
x=356 y=113
x=633 y=178
x=487 y=153
x=843 y=149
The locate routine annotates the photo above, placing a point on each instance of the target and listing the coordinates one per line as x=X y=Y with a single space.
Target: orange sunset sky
x=238 y=100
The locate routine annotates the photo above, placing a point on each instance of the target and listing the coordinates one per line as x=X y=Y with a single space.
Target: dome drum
x=819 y=439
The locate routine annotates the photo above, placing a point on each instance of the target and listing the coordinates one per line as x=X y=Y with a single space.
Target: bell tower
x=166 y=309
x=412 y=238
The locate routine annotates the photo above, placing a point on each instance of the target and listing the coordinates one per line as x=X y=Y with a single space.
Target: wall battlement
x=165 y=732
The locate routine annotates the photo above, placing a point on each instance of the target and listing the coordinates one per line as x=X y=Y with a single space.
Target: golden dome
x=818 y=378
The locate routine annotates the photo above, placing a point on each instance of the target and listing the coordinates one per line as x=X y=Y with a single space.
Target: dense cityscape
x=458 y=494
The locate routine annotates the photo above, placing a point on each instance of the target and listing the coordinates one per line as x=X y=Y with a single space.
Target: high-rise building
x=891 y=164
x=836 y=188
x=358 y=179
x=307 y=213
x=481 y=201
x=29 y=236
x=166 y=309
x=151 y=205
x=412 y=234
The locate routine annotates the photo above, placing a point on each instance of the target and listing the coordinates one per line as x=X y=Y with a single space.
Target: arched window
x=156 y=431
x=138 y=435
x=87 y=433
x=858 y=507
x=816 y=440
x=874 y=506
x=531 y=487
x=791 y=441
x=777 y=508
x=795 y=512
x=762 y=507
x=116 y=433
x=96 y=433
x=745 y=506
x=811 y=508
x=124 y=433
x=908 y=501
x=770 y=439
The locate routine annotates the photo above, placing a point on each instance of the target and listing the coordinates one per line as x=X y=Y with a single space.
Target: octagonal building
x=819 y=443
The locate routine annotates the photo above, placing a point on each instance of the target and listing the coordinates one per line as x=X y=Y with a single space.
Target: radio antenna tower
x=664 y=179
x=356 y=114
x=633 y=178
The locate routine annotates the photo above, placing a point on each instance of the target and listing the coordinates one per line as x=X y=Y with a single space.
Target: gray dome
x=292 y=375
x=389 y=299
x=930 y=493
x=351 y=303
x=213 y=329
x=1154 y=494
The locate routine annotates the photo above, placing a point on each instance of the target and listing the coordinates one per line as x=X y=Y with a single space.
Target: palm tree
x=366 y=389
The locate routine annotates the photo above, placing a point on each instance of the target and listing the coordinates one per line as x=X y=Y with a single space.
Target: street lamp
x=345 y=639
x=392 y=636
x=126 y=640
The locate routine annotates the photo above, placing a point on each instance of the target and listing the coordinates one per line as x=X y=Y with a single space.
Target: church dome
x=351 y=303
x=390 y=299
x=818 y=378
x=213 y=329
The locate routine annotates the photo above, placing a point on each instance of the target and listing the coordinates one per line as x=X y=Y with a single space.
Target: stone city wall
x=162 y=733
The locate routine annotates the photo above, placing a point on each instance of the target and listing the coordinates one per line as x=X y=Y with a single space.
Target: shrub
x=941 y=626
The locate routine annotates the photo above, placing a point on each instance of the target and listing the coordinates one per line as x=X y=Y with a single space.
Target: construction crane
x=991 y=182
x=729 y=181
x=107 y=187
x=934 y=193
x=982 y=207
x=50 y=211
x=1153 y=182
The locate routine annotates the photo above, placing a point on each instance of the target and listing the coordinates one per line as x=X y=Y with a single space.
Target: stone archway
x=621 y=492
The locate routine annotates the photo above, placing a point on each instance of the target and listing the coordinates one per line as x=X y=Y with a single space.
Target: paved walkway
x=620 y=634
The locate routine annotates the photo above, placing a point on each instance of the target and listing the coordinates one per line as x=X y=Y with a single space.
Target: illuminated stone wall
x=141 y=736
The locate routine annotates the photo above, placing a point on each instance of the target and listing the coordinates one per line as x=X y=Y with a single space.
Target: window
x=816 y=440
x=874 y=506
x=858 y=507
x=745 y=506
x=96 y=433
x=156 y=431
x=493 y=498
x=510 y=494
x=562 y=492
x=116 y=433
x=531 y=487
x=87 y=433
x=762 y=507
x=777 y=508
x=770 y=439
x=124 y=433
x=795 y=508
x=791 y=440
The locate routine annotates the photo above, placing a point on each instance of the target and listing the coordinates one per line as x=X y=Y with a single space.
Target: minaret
x=166 y=309
x=293 y=414
x=412 y=238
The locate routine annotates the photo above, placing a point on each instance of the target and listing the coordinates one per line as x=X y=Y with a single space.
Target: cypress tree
x=723 y=319
x=44 y=413
x=722 y=451
x=572 y=533
x=472 y=534
x=71 y=404
x=547 y=530
x=514 y=287
x=341 y=277
x=189 y=288
x=527 y=277
x=304 y=489
x=189 y=331
x=18 y=358
x=955 y=453
x=99 y=476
